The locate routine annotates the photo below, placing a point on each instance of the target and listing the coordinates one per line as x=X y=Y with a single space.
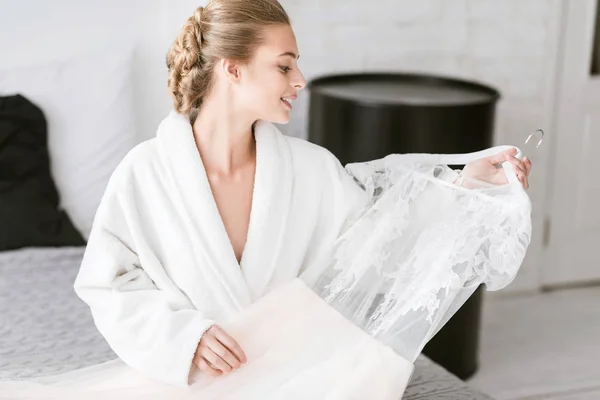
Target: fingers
x=521 y=167
x=521 y=173
x=517 y=163
x=204 y=365
x=216 y=361
x=523 y=179
x=206 y=368
x=218 y=352
x=223 y=353
x=518 y=167
x=231 y=345
x=527 y=163
x=522 y=176
x=502 y=156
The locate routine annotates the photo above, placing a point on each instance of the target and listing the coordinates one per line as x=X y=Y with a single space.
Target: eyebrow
x=291 y=54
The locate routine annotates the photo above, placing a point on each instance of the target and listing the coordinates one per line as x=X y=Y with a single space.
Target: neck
x=225 y=144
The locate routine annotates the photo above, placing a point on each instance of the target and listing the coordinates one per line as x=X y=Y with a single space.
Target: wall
x=35 y=31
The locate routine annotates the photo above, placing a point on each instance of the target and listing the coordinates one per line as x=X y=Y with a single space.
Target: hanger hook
x=533 y=133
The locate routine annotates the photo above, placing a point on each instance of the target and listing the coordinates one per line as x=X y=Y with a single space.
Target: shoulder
x=320 y=166
x=305 y=154
x=143 y=153
x=311 y=154
x=140 y=157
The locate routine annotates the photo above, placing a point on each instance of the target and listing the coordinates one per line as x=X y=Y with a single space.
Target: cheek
x=265 y=89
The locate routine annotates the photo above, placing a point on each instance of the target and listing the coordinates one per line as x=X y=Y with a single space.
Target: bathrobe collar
x=271 y=201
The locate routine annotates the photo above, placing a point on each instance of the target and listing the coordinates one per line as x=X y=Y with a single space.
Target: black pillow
x=29 y=214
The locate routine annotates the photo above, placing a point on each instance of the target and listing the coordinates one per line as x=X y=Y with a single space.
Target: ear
x=231 y=69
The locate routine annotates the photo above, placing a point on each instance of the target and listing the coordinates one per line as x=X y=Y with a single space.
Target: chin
x=280 y=119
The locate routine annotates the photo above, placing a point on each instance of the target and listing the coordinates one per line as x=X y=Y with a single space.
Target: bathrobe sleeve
x=154 y=331
x=342 y=200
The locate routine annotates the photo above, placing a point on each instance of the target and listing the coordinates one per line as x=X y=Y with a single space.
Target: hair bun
x=190 y=42
x=198 y=19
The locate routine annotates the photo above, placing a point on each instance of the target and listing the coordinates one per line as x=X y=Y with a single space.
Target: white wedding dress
x=401 y=269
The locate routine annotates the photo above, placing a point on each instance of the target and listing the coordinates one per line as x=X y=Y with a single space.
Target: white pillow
x=88 y=104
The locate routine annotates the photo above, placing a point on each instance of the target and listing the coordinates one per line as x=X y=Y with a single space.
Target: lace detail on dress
x=419 y=248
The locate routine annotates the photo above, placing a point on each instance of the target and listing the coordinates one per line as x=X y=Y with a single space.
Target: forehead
x=278 y=39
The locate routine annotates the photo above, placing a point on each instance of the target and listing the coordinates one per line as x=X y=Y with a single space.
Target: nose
x=299 y=82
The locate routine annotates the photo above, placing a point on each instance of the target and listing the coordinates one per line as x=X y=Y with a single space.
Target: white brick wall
x=508 y=44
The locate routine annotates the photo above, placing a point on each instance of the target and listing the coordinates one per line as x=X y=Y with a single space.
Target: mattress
x=46 y=329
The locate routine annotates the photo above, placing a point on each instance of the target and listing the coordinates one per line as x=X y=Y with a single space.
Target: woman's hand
x=485 y=169
x=218 y=353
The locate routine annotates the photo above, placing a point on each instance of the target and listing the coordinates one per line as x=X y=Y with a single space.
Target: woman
x=220 y=208
x=235 y=63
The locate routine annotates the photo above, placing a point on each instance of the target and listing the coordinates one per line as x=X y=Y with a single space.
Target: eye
x=285 y=69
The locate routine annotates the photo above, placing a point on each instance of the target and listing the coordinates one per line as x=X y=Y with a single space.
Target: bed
x=46 y=329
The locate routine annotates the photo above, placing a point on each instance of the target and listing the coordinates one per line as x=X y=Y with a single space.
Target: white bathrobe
x=159 y=268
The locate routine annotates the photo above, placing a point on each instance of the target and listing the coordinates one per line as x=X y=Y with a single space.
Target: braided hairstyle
x=224 y=29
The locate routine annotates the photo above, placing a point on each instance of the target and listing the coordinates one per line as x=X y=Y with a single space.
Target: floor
x=544 y=346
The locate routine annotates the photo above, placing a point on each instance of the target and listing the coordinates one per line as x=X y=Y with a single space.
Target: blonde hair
x=224 y=29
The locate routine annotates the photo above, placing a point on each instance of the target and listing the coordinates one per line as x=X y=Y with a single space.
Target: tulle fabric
x=297 y=346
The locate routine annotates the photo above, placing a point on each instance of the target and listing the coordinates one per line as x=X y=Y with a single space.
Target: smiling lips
x=288 y=101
